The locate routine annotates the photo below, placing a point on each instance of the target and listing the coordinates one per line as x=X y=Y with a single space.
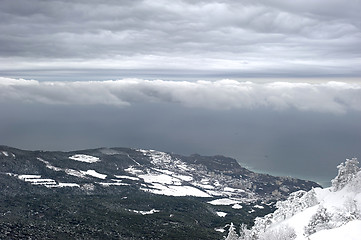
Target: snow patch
x=95 y=174
x=5 y=153
x=229 y=189
x=84 y=158
x=224 y=201
x=237 y=206
x=145 y=212
x=37 y=180
x=221 y=214
x=156 y=156
x=23 y=177
x=133 y=170
x=74 y=173
x=258 y=206
x=106 y=184
x=222 y=230
x=40 y=181
x=48 y=165
x=160 y=178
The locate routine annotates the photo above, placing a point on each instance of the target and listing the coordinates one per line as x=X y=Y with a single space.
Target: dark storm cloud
x=251 y=36
x=335 y=97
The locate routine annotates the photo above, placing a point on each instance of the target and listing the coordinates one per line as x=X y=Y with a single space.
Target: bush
x=284 y=232
x=320 y=221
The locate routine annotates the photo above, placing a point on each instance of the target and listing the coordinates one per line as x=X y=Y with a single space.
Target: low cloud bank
x=333 y=97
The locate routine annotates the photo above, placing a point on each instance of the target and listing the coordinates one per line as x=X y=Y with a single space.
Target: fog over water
x=285 y=141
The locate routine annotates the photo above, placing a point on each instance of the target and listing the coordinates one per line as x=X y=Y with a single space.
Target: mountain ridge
x=192 y=197
x=112 y=161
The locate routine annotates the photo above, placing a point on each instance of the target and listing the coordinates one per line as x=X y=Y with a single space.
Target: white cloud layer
x=334 y=97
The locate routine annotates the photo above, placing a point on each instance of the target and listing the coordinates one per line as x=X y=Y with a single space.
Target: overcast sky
x=218 y=38
x=275 y=84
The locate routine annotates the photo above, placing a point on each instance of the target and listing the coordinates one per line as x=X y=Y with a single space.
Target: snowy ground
x=84 y=158
x=221 y=214
x=47 y=182
x=349 y=231
x=173 y=177
x=332 y=213
x=224 y=201
x=166 y=176
x=152 y=211
x=95 y=174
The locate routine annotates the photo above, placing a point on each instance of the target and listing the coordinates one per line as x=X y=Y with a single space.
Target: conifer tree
x=232 y=235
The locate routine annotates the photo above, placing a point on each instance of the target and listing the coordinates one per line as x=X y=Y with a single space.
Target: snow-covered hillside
x=319 y=214
x=109 y=191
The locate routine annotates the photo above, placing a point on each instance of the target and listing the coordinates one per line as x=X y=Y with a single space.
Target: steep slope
x=319 y=214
